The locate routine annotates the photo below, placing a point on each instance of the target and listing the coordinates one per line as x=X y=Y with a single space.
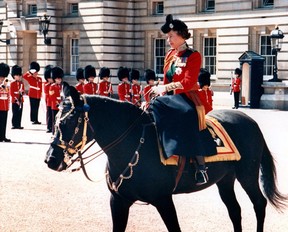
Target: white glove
x=32 y=71
x=159 y=89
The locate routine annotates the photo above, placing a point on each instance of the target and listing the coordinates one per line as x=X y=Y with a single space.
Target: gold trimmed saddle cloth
x=226 y=151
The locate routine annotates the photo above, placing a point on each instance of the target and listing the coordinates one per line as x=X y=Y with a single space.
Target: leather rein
x=70 y=149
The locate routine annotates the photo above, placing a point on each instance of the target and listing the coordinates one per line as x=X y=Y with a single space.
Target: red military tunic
x=16 y=91
x=236 y=83
x=54 y=95
x=35 y=89
x=147 y=92
x=80 y=87
x=46 y=91
x=124 y=91
x=4 y=98
x=105 y=88
x=90 y=88
x=206 y=99
x=186 y=70
x=136 y=93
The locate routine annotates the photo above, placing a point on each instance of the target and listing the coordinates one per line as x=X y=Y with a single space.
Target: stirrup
x=201 y=177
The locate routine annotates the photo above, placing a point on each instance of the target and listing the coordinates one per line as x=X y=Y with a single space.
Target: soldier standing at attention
x=90 y=74
x=150 y=77
x=105 y=86
x=49 y=82
x=16 y=93
x=35 y=90
x=57 y=75
x=135 y=87
x=123 y=86
x=4 y=101
x=80 y=78
x=205 y=92
x=236 y=87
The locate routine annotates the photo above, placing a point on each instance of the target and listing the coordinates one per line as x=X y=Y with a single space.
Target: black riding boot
x=201 y=175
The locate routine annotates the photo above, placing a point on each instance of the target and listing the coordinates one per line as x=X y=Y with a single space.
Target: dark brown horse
x=128 y=137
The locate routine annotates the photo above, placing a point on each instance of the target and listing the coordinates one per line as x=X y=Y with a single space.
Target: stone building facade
x=127 y=33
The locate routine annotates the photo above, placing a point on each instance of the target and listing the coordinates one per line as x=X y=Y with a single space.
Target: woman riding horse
x=188 y=136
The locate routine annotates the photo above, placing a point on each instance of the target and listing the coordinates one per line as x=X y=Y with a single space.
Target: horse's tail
x=268 y=178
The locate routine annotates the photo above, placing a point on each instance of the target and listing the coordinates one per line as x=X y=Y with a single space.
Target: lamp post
x=7 y=41
x=276 y=37
x=44 y=22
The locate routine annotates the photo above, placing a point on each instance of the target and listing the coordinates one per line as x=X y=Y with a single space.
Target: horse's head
x=70 y=134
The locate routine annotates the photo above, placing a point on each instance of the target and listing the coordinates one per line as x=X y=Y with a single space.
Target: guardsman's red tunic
x=4 y=98
x=136 y=93
x=105 y=88
x=236 y=83
x=54 y=95
x=146 y=92
x=124 y=91
x=16 y=91
x=80 y=87
x=46 y=91
x=206 y=99
x=35 y=88
x=90 y=88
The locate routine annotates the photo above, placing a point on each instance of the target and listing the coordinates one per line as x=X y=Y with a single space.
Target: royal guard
x=136 y=91
x=123 y=86
x=57 y=75
x=90 y=73
x=80 y=78
x=16 y=93
x=150 y=77
x=205 y=92
x=49 y=82
x=35 y=90
x=236 y=87
x=105 y=86
x=4 y=101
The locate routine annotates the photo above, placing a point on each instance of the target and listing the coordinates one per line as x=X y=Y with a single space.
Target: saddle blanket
x=226 y=151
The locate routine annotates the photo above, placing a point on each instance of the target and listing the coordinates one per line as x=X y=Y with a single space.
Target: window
x=210 y=5
x=32 y=9
x=268 y=3
x=158 y=8
x=74 y=9
x=209 y=54
x=74 y=56
x=265 y=50
x=159 y=54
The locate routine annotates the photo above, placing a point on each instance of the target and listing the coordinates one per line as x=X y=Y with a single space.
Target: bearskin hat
x=175 y=25
x=238 y=71
x=47 y=72
x=89 y=71
x=80 y=74
x=4 y=70
x=57 y=72
x=122 y=73
x=16 y=70
x=204 y=77
x=104 y=72
x=149 y=74
x=34 y=65
x=134 y=74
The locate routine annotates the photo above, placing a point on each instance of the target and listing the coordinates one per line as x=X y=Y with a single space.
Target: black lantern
x=276 y=37
x=44 y=22
x=7 y=41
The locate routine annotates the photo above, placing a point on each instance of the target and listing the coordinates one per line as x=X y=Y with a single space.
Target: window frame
x=155 y=7
x=269 y=58
x=32 y=7
x=210 y=67
x=267 y=3
x=209 y=8
x=159 y=56
x=74 y=65
x=71 y=5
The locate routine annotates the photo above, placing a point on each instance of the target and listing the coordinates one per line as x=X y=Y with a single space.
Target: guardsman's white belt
x=33 y=87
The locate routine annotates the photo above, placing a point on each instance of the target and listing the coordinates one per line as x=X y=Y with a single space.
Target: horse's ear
x=75 y=96
x=66 y=89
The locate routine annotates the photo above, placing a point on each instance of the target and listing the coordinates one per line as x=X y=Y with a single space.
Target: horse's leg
x=227 y=194
x=166 y=209
x=120 y=212
x=251 y=186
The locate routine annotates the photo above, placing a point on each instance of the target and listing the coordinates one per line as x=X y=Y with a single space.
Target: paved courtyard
x=35 y=198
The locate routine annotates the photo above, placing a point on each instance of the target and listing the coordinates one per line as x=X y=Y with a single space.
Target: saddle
x=226 y=149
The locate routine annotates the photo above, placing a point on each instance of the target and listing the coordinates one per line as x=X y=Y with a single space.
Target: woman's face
x=174 y=39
